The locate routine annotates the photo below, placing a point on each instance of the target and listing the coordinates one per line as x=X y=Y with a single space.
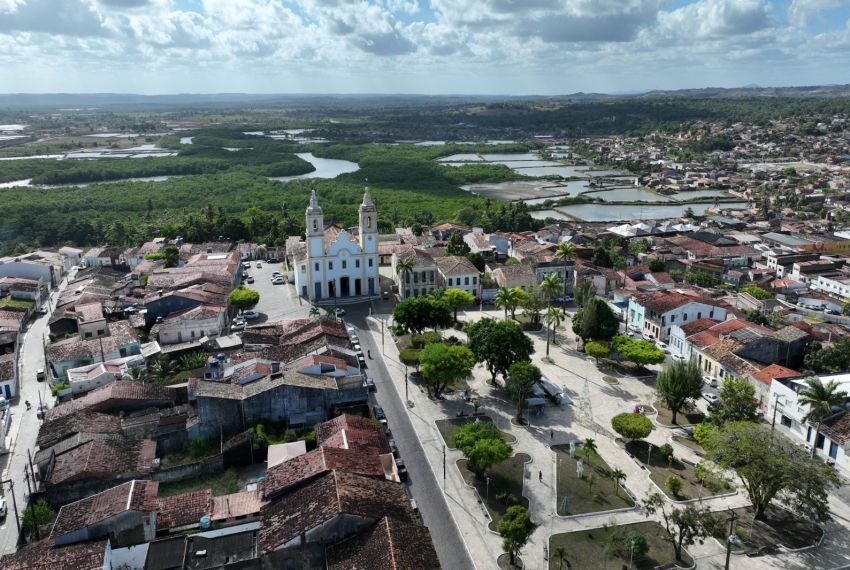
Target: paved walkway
x=595 y=403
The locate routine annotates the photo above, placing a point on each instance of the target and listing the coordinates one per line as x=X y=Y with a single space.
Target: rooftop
x=131 y=496
x=44 y=555
x=104 y=459
x=388 y=545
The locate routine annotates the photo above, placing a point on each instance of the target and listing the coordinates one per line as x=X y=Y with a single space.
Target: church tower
x=368 y=225
x=315 y=228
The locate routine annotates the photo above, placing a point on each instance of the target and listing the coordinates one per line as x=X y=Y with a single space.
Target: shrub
x=430 y=337
x=56 y=388
x=635 y=544
x=703 y=432
x=198 y=447
x=674 y=485
x=410 y=356
x=667 y=451
x=597 y=349
x=631 y=426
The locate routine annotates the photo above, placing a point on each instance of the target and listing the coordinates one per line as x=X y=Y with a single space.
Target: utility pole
x=382 y=336
x=14 y=505
x=30 y=502
x=731 y=539
x=775 y=408
x=406 y=398
x=444 y=468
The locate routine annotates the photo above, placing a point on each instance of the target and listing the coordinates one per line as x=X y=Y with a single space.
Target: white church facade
x=334 y=263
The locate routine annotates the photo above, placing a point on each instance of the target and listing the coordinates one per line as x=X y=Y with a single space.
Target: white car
x=2 y=507
x=250 y=315
x=678 y=357
x=277 y=274
x=259 y=264
x=709 y=381
x=277 y=281
x=710 y=398
x=340 y=312
x=663 y=347
x=238 y=325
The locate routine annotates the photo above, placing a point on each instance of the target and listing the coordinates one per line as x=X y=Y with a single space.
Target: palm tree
x=330 y=311
x=509 y=299
x=820 y=399
x=561 y=555
x=314 y=311
x=554 y=317
x=551 y=286
x=403 y=267
x=588 y=447
x=566 y=252
x=136 y=372
x=163 y=369
x=618 y=475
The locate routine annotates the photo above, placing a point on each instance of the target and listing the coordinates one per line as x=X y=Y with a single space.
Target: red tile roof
x=360 y=460
x=388 y=545
x=43 y=555
x=236 y=505
x=112 y=397
x=773 y=372
x=698 y=325
x=183 y=509
x=59 y=428
x=358 y=431
x=134 y=495
x=104 y=459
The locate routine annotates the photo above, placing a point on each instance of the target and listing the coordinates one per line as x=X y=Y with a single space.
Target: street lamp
x=488 y=489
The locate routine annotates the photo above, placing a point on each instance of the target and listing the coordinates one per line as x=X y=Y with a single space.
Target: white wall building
x=836 y=287
x=458 y=273
x=336 y=264
x=191 y=325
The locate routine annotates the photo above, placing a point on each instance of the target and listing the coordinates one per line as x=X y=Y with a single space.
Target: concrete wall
x=28 y=270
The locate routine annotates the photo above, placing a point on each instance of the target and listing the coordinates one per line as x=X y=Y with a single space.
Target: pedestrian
x=369 y=354
x=540 y=476
x=551 y=435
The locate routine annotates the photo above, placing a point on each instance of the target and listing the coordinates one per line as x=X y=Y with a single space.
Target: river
x=325 y=167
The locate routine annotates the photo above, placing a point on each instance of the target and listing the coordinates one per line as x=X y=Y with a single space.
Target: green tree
x=163 y=369
x=674 y=484
x=172 y=256
x=404 y=267
x=482 y=444
x=703 y=432
x=656 y=265
x=641 y=352
x=736 y=403
x=243 y=298
x=773 y=468
x=35 y=516
x=678 y=384
x=602 y=257
x=832 y=359
x=418 y=313
x=597 y=349
x=554 y=318
x=457 y=299
x=635 y=544
x=596 y=321
x=561 y=556
x=477 y=260
x=565 y=253
x=845 y=309
x=515 y=528
x=508 y=299
x=411 y=357
x=701 y=278
x=821 y=400
x=618 y=476
x=522 y=378
x=588 y=447
x=551 y=286
x=683 y=526
x=584 y=291
x=443 y=365
x=456 y=245
x=532 y=303
x=631 y=426
x=314 y=311
x=498 y=344
x=756 y=291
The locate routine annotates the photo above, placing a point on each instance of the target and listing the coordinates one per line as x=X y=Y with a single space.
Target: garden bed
x=447 y=428
x=586 y=549
x=665 y=416
x=220 y=484
x=781 y=527
x=580 y=498
x=660 y=470
x=505 y=487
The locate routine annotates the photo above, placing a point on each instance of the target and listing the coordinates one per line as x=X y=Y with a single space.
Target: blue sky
x=419 y=46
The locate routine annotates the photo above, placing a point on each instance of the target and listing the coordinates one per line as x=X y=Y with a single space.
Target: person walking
x=540 y=476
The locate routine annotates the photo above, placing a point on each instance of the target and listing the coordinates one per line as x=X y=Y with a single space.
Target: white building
x=836 y=287
x=334 y=263
x=191 y=324
x=834 y=439
x=458 y=272
x=422 y=277
x=653 y=314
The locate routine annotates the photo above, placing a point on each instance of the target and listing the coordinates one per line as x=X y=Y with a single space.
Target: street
x=25 y=424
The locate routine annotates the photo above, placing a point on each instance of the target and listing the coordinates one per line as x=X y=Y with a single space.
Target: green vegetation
x=639 y=351
x=595 y=320
x=662 y=465
x=737 y=403
x=683 y=526
x=631 y=426
x=701 y=278
x=522 y=378
x=36 y=516
x=415 y=314
x=516 y=528
x=482 y=445
x=219 y=483
x=597 y=349
x=447 y=428
x=243 y=298
x=445 y=366
x=756 y=291
x=579 y=495
x=505 y=485
x=678 y=384
x=10 y=303
x=498 y=344
x=457 y=299
x=832 y=359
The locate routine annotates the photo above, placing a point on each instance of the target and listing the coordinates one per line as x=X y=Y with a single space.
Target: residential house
x=9 y=375
x=86 y=378
x=102 y=257
x=480 y=243
x=159 y=306
x=443 y=232
x=125 y=514
x=520 y=275
x=71 y=257
x=764 y=378
x=191 y=325
x=652 y=314
x=458 y=272
x=45 y=266
x=91 y=323
x=423 y=277
x=121 y=341
x=45 y=555
x=119 y=396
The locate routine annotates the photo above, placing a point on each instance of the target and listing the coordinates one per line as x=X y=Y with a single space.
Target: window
x=432 y=277
x=685 y=317
x=368 y=221
x=193 y=334
x=699 y=315
x=466 y=280
x=672 y=318
x=88 y=335
x=711 y=314
x=330 y=265
x=315 y=225
x=317 y=266
x=303 y=269
x=344 y=264
x=474 y=280
x=357 y=263
x=450 y=281
x=370 y=262
x=415 y=277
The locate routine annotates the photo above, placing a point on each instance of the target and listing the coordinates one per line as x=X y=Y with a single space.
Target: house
x=763 y=379
x=543 y=269
x=159 y=306
x=458 y=272
x=218 y=548
x=388 y=545
x=421 y=279
x=45 y=266
x=8 y=375
x=443 y=232
x=86 y=378
x=71 y=257
x=121 y=341
x=45 y=555
x=520 y=275
x=335 y=264
x=91 y=323
x=191 y=324
x=119 y=396
x=126 y=514
x=479 y=243
x=101 y=257
x=652 y=314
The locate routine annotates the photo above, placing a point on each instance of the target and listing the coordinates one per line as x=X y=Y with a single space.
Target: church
x=334 y=263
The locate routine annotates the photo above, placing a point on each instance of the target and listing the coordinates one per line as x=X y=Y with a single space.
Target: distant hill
x=754 y=91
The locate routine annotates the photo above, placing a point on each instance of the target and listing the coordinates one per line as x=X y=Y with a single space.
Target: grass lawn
x=780 y=527
x=10 y=303
x=578 y=492
x=586 y=548
x=660 y=470
x=665 y=416
x=505 y=477
x=220 y=483
x=447 y=428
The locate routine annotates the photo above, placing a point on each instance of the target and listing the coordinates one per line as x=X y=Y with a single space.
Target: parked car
x=385 y=295
x=710 y=398
x=401 y=468
x=246 y=265
x=663 y=347
x=393 y=446
x=369 y=384
x=272 y=260
x=43 y=310
x=378 y=411
x=709 y=381
x=831 y=312
x=678 y=357
x=277 y=281
x=249 y=315
x=4 y=510
x=414 y=506
x=238 y=325
x=39 y=374
x=40 y=411
x=259 y=264
x=277 y=274
x=250 y=280
x=339 y=312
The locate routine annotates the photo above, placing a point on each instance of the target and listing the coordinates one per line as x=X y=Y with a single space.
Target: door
x=317 y=289
x=358 y=289
x=371 y=285
x=344 y=287
x=833 y=450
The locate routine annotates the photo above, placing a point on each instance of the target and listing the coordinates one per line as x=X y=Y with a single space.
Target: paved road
x=423 y=484
x=25 y=424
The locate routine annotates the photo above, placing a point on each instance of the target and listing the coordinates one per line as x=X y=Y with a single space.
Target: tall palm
x=566 y=252
x=820 y=398
x=588 y=447
x=404 y=266
x=164 y=368
x=554 y=318
x=618 y=475
x=508 y=299
x=551 y=286
x=314 y=311
x=561 y=555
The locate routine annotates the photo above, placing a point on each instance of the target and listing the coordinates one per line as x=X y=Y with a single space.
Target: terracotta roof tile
x=236 y=505
x=114 y=396
x=360 y=460
x=773 y=372
x=104 y=459
x=388 y=545
x=131 y=496
x=183 y=509
x=837 y=428
x=43 y=555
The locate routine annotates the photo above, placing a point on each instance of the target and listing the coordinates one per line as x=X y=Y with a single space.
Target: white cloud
x=801 y=11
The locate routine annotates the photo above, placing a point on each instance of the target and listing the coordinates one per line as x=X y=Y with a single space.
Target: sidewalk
x=595 y=403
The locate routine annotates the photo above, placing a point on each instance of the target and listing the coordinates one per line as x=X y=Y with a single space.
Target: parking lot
x=277 y=302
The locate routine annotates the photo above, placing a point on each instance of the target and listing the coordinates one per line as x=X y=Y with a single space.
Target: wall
x=180 y=330
x=27 y=270
x=214 y=464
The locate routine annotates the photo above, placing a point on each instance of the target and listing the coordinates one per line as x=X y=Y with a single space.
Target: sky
x=491 y=47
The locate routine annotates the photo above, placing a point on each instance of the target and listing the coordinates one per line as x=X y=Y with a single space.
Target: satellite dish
x=205 y=521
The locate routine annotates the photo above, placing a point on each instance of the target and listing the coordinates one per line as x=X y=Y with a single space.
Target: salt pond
x=613 y=213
